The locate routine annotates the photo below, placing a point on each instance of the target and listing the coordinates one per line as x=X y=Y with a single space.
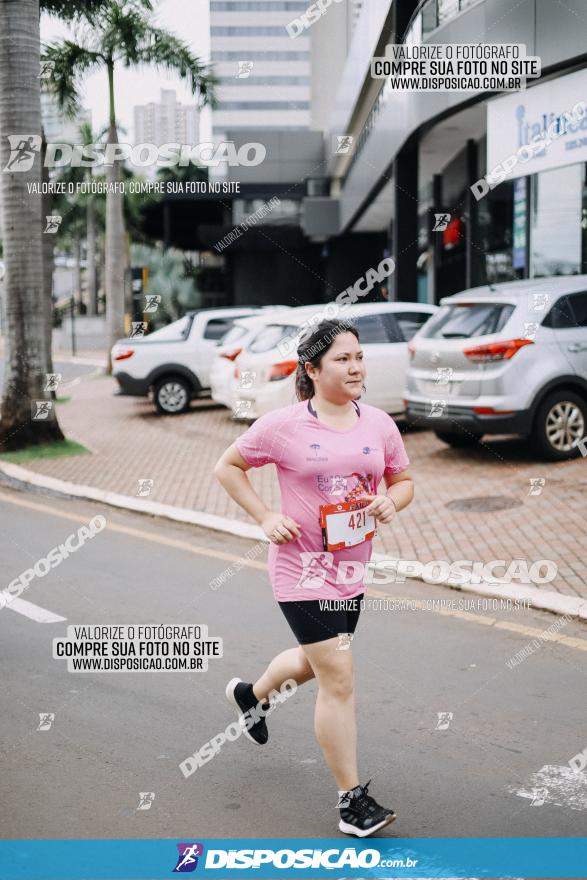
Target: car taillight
x=232 y=355
x=495 y=351
x=411 y=349
x=123 y=355
x=282 y=370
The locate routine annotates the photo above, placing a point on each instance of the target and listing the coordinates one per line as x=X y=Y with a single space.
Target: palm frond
x=132 y=38
x=123 y=27
x=164 y=50
x=63 y=64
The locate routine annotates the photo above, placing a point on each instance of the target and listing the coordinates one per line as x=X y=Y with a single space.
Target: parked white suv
x=222 y=381
x=505 y=359
x=266 y=376
x=174 y=361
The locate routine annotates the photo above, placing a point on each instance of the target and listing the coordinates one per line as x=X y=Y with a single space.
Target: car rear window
x=177 y=331
x=236 y=332
x=410 y=323
x=216 y=328
x=270 y=336
x=462 y=320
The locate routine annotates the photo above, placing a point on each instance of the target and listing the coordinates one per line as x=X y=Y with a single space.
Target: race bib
x=346 y=524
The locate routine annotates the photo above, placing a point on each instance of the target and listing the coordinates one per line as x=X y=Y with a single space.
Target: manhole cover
x=484 y=504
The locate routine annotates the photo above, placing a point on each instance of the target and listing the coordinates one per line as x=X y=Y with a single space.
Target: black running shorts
x=311 y=623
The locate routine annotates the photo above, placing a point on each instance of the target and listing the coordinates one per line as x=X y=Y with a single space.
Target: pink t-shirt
x=317 y=464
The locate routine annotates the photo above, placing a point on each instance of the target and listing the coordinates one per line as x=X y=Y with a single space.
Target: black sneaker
x=360 y=814
x=241 y=693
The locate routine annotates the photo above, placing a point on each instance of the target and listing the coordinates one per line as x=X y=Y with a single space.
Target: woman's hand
x=280 y=529
x=381 y=507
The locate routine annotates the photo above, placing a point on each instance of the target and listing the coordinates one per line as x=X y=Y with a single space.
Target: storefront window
x=555 y=230
x=520 y=226
x=424 y=262
x=495 y=223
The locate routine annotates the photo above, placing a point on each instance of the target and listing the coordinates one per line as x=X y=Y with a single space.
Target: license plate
x=346 y=524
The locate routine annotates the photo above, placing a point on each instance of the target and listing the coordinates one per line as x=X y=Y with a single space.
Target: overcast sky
x=187 y=19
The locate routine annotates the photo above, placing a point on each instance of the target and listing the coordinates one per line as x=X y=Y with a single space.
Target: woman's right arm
x=230 y=471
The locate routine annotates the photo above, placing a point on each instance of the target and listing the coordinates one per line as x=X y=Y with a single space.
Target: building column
x=436 y=243
x=473 y=248
x=405 y=224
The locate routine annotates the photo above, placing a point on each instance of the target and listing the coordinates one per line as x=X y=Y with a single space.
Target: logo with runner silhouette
x=314 y=568
x=187 y=859
x=23 y=149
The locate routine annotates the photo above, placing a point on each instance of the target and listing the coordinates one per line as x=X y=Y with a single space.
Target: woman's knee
x=335 y=676
x=339 y=684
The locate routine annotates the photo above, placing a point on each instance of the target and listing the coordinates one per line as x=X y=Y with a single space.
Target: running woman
x=330 y=454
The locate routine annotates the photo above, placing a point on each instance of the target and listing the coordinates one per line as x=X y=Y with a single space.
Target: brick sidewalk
x=130 y=442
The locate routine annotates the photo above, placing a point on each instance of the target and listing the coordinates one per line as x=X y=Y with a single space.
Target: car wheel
x=172 y=395
x=560 y=422
x=458 y=440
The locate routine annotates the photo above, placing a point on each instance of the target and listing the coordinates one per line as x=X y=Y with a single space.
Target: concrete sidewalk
x=129 y=443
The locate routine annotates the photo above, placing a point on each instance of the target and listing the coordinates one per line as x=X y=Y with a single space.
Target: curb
x=544 y=600
x=20 y=475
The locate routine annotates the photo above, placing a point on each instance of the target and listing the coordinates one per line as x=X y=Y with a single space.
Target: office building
x=264 y=73
x=167 y=121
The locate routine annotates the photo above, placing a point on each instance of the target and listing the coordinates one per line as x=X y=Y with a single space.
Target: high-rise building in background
x=264 y=73
x=57 y=127
x=167 y=121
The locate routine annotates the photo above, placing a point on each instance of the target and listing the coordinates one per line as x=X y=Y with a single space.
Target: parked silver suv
x=505 y=359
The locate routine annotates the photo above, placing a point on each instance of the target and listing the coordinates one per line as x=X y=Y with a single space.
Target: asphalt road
x=117 y=734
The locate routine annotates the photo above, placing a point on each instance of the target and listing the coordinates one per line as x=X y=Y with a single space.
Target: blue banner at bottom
x=225 y=858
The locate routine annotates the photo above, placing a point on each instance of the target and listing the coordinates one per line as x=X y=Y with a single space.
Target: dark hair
x=314 y=343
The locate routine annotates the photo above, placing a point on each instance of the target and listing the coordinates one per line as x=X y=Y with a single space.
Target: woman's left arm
x=400 y=488
x=400 y=491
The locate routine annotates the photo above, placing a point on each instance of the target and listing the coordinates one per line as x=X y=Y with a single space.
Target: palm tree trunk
x=91 y=258
x=48 y=258
x=101 y=271
x=26 y=348
x=115 y=237
x=77 y=271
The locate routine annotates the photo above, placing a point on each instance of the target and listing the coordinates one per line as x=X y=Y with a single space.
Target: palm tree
x=123 y=33
x=70 y=11
x=82 y=213
x=26 y=355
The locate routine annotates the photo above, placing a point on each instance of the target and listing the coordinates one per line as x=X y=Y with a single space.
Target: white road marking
x=558 y=785
x=28 y=609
